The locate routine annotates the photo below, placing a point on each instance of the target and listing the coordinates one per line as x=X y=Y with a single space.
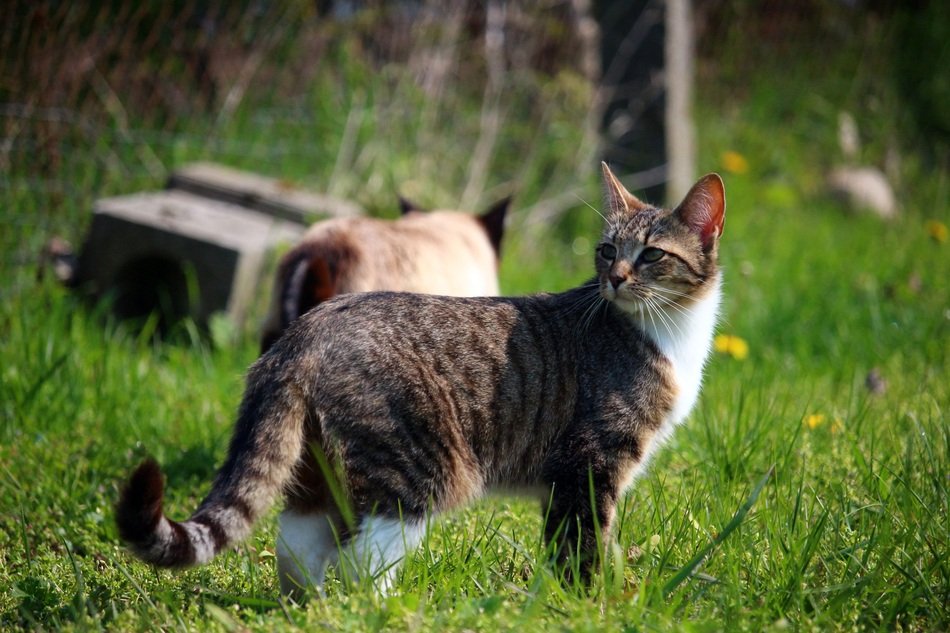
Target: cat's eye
x=650 y=255
x=608 y=251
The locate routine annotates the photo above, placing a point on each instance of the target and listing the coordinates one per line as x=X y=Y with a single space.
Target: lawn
x=794 y=497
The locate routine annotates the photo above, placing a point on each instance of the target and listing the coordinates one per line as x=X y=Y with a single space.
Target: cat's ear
x=704 y=208
x=407 y=206
x=616 y=196
x=493 y=221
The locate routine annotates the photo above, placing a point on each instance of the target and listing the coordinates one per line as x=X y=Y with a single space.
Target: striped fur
x=419 y=404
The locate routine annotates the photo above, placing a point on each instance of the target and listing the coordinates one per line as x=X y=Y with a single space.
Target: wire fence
x=360 y=98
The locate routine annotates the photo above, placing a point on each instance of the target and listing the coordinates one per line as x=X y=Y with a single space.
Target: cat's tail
x=307 y=276
x=267 y=443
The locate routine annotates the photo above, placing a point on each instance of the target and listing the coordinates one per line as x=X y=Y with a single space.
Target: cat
x=376 y=410
x=408 y=254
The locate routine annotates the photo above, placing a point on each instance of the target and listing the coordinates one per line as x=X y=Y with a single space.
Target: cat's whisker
x=593 y=208
x=675 y=293
x=584 y=316
x=673 y=321
x=668 y=322
x=582 y=297
x=583 y=301
x=672 y=301
x=667 y=303
x=593 y=283
x=679 y=311
x=601 y=303
x=589 y=316
x=672 y=296
x=648 y=311
x=576 y=305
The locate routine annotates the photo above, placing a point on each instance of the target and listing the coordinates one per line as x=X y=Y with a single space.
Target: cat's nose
x=616 y=279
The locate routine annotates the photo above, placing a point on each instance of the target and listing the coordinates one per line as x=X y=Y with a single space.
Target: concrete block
x=275 y=197
x=179 y=252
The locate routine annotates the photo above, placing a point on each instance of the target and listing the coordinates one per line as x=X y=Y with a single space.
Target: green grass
x=848 y=531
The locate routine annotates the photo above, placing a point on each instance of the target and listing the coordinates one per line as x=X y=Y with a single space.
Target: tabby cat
x=407 y=255
x=417 y=404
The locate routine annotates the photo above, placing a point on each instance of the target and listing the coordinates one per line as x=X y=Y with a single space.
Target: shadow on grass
x=193 y=464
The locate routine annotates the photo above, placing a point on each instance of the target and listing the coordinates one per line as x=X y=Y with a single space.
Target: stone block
x=181 y=253
x=273 y=196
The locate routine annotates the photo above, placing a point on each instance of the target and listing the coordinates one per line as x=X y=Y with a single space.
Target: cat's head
x=656 y=257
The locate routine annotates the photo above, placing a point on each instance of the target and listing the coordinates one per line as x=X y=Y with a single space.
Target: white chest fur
x=684 y=336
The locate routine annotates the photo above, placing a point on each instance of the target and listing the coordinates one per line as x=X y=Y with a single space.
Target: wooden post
x=680 y=135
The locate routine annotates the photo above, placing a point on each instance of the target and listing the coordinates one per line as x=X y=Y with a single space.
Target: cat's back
x=444 y=229
x=386 y=319
x=437 y=252
x=460 y=340
x=450 y=250
x=497 y=373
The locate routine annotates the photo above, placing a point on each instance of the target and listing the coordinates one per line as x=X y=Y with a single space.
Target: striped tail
x=266 y=446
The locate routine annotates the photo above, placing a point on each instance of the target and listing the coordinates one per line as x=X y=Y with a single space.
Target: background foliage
x=840 y=390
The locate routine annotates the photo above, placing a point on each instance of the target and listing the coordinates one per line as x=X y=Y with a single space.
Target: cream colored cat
x=437 y=252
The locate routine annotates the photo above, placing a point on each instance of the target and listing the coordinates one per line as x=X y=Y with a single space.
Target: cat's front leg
x=579 y=515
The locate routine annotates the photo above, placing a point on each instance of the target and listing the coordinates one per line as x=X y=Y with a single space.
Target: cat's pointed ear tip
x=712 y=183
x=500 y=207
x=406 y=205
x=713 y=177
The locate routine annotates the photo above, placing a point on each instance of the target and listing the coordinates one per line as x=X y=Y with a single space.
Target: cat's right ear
x=407 y=206
x=616 y=197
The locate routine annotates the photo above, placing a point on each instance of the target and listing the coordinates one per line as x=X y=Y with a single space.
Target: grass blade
x=687 y=570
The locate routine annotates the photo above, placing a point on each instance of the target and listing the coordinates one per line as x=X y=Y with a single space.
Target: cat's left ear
x=493 y=221
x=704 y=209
x=616 y=196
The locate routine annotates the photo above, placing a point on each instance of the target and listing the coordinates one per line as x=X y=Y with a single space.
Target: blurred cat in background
x=436 y=252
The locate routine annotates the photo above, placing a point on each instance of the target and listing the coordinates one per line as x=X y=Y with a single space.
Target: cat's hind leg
x=379 y=546
x=306 y=545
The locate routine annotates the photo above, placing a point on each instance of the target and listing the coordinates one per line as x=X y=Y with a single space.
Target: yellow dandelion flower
x=734 y=162
x=937 y=231
x=813 y=420
x=731 y=345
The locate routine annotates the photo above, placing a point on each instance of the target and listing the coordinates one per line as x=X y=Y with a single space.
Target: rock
x=875 y=383
x=864 y=189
